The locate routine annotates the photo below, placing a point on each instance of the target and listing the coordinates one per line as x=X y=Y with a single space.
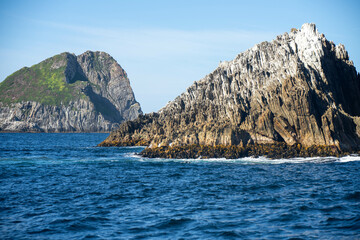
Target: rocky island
x=298 y=95
x=68 y=93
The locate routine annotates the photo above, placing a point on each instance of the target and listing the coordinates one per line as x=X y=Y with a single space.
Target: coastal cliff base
x=279 y=150
x=272 y=151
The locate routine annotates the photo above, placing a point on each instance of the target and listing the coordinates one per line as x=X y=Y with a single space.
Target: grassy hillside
x=44 y=82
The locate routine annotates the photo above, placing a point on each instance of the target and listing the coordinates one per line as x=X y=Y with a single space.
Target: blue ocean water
x=60 y=186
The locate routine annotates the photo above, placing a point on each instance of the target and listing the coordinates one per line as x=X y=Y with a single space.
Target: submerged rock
x=68 y=93
x=299 y=88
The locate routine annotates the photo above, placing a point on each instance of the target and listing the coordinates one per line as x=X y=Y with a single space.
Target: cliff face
x=68 y=93
x=299 y=88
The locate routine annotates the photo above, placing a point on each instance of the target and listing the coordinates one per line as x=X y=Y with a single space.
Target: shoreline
x=271 y=151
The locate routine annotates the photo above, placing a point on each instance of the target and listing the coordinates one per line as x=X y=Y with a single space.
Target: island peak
x=68 y=93
x=299 y=88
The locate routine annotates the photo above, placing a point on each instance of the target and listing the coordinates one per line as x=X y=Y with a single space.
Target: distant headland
x=68 y=93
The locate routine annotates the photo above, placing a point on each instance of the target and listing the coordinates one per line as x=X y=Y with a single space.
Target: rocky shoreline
x=272 y=151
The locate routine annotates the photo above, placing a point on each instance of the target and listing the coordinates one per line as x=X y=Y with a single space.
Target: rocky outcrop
x=68 y=93
x=298 y=89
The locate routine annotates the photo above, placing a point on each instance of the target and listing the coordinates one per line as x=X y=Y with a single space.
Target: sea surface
x=61 y=186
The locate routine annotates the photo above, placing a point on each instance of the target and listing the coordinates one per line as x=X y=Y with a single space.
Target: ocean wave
x=255 y=160
x=132 y=154
x=351 y=158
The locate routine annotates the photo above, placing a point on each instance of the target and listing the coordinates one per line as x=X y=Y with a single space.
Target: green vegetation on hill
x=44 y=83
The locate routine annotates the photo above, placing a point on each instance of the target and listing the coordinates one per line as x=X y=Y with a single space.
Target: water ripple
x=60 y=186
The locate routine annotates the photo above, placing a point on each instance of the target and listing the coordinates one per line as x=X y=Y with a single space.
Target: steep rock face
x=68 y=93
x=299 y=88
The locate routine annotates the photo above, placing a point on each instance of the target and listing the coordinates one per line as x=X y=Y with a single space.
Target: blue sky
x=164 y=46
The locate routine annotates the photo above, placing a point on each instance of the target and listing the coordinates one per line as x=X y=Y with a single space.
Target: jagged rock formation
x=299 y=88
x=68 y=93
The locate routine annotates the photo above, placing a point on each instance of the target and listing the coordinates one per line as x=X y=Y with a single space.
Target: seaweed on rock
x=277 y=150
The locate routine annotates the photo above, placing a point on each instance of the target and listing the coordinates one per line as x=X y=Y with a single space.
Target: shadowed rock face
x=68 y=93
x=299 y=88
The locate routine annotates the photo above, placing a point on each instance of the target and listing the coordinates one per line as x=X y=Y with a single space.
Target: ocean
x=61 y=186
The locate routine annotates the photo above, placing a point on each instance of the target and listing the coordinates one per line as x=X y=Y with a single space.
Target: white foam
x=351 y=158
x=255 y=160
x=247 y=160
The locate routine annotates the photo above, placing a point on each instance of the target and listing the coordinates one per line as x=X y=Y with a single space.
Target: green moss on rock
x=41 y=83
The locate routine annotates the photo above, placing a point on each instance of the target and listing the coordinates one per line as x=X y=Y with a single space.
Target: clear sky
x=164 y=46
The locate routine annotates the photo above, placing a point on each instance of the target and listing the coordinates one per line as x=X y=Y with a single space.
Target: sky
x=164 y=46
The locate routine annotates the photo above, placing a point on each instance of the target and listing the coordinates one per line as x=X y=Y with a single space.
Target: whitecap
x=254 y=160
x=350 y=158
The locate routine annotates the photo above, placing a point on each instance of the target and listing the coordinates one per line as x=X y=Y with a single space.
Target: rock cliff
x=68 y=93
x=299 y=88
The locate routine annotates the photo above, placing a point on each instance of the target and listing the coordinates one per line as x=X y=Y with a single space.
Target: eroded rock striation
x=299 y=88
x=68 y=93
